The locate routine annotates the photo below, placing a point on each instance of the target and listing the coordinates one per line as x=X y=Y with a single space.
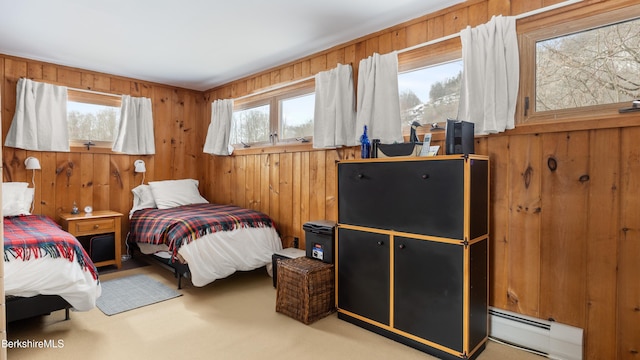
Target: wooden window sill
x=93 y=150
x=275 y=149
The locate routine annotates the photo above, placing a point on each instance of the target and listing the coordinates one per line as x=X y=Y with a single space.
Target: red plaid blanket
x=37 y=236
x=183 y=224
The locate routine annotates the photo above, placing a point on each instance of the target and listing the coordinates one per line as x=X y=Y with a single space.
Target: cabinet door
x=428 y=289
x=363 y=274
x=479 y=198
x=478 y=292
x=421 y=197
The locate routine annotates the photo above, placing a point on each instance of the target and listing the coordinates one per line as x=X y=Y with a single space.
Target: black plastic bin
x=320 y=240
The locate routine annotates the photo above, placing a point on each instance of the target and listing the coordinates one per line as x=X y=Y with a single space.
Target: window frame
x=439 y=52
x=254 y=104
x=273 y=98
x=429 y=55
x=552 y=27
x=93 y=98
x=288 y=96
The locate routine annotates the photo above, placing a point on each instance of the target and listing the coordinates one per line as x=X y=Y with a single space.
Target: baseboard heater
x=557 y=341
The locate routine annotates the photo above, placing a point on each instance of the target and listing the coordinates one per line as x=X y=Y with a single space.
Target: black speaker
x=459 y=137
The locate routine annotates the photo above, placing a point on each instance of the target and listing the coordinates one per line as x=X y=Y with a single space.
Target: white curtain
x=217 y=142
x=490 y=75
x=378 y=99
x=134 y=136
x=334 y=116
x=40 y=120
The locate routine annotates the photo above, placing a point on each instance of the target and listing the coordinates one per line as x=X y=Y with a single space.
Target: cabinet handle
x=380 y=243
x=402 y=246
x=360 y=176
x=96 y=226
x=425 y=176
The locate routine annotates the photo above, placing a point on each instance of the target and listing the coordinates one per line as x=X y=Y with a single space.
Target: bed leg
x=178 y=275
x=66 y=314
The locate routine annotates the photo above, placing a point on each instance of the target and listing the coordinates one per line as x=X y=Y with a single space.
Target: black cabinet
x=364 y=255
x=412 y=250
x=429 y=290
x=392 y=195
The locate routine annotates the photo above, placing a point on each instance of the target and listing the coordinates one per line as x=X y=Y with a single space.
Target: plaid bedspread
x=183 y=224
x=37 y=236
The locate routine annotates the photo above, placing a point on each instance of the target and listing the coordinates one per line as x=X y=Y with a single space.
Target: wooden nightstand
x=97 y=223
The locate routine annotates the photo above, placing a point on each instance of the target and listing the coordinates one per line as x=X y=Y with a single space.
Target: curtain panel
x=219 y=132
x=40 y=119
x=378 y=101
x=135 y=135
x=334 y=112
x=490 y=75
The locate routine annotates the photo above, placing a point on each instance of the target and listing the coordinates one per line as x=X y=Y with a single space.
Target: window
x=250 y=126
x=429 y=83
x=430 y=94
x=92 y=118
x=296 y=117
x=277 y=117
x=593 y=64
x=592 y=67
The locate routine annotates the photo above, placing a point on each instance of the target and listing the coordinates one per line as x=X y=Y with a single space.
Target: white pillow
x=172 y=193
x=29 y=194
x=142 y=198
x=13 y=195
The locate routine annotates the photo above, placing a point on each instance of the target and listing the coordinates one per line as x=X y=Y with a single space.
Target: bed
x=171 y=221
x=45 y=268
x=43 y=261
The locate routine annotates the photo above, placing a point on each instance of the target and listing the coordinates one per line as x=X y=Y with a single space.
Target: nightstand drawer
x=95 y=226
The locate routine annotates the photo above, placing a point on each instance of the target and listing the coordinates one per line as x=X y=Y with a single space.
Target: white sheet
x=220 y=254
x=52 y=276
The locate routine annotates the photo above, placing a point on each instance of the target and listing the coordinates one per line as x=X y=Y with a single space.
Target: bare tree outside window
x=250 y=125
x=91 y=121
x=594 y=67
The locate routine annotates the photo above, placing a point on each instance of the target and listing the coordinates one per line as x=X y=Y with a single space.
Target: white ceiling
x=194 y=44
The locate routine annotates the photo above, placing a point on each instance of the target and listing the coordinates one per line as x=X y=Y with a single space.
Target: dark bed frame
x=179 y=270
x=19 y=308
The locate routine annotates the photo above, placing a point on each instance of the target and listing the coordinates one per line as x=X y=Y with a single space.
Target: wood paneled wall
x=91 y=177
x=565 y=220
x=564 y=232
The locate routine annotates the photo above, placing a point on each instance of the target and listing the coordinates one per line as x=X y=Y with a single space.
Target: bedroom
x=543 y=274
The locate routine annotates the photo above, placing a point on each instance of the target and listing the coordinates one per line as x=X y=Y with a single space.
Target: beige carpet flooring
x=232 y=318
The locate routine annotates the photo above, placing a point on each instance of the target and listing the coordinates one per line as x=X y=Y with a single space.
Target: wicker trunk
x=305 y=289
